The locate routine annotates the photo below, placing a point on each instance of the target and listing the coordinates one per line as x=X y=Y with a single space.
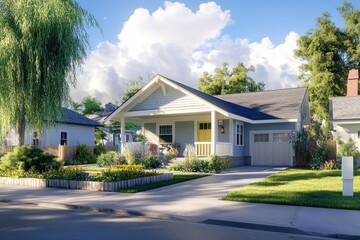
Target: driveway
x=193 y=200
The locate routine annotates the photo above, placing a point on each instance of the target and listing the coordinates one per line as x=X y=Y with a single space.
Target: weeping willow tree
x=42 y=42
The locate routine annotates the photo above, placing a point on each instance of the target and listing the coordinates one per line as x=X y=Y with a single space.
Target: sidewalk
x=198 y=201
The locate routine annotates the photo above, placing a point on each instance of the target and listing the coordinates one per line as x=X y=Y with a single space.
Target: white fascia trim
x=346 y=122
x=141 y=91
x=225 y=113
x=163 y=112
x=236 y=117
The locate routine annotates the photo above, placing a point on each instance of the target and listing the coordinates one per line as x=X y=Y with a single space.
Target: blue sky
x=183 y=39
x=252 y=19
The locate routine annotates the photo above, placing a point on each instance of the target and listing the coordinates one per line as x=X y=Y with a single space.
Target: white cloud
x=180 y=43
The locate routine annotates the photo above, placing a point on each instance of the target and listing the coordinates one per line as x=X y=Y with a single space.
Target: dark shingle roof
x=266 y=105
x=70 y=117
x=281 y=104
x=345 y=108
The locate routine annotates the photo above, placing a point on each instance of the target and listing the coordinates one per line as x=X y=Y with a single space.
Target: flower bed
x=86 y=185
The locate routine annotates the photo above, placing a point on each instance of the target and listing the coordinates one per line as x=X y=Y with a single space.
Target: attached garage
x=271 y=148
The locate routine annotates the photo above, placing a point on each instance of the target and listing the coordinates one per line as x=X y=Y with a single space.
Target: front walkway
x=198 y=200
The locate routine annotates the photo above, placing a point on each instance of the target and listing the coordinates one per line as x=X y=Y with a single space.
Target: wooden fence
x=63 y=152
x=305 y=150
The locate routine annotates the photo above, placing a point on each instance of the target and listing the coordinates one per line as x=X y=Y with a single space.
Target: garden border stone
x=85 y=185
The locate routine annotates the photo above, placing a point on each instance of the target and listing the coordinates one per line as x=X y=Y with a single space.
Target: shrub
x=151 y=161
x=99 y=149
x=109 y=176
x=110 y=158
x=216 y=163
x=68 y=174
x=28 y=159
x=189 y=151
x=126 y=167
x=348 y=149
x=135 y=152
x=319 y=156
x=213 y=164
x=329 y=165
x=83 y=155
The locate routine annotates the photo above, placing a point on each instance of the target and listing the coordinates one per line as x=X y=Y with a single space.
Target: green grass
x=178 y=178
x=302 y=187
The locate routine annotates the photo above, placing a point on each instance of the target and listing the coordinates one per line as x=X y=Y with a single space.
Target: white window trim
x=241 y=134
x=172 y=132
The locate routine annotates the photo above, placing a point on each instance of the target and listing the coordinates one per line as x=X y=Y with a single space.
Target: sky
x=182 y=39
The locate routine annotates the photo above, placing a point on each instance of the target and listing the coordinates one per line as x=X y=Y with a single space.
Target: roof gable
x=282 y=104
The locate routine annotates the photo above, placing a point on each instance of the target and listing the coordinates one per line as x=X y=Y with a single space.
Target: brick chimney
x=353 y=83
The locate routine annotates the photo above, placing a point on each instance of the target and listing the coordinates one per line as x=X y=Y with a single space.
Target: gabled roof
x=282 y=105
x=70 y=117
x=345 y=108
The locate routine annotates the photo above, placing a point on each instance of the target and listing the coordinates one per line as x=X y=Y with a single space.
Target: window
x=204 y=126
x=261 y=137
x=281 y=137
x=358 y=134
x=63 y=138
x=239 y=134
x=127 y=138
x=165 y=134
x=36 y=139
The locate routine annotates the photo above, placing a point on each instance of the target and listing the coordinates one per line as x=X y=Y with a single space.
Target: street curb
x=120 y=212
x=159 y=216
x=271 y=228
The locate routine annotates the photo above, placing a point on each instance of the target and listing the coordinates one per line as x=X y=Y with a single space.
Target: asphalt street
x=18 y=222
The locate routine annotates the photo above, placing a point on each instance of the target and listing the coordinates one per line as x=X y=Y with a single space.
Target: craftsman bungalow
x=251 y=128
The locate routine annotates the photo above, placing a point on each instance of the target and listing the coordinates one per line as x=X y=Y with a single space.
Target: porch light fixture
x=220 y=123
x=222 y=129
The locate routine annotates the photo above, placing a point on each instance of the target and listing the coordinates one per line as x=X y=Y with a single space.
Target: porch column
x=214 y=131
x=231 y=136
x=122 y=134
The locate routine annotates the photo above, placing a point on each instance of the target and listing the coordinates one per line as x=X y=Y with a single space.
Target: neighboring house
x=251 y=128
x=111 y=139
x=345 y=111
x=72 y=129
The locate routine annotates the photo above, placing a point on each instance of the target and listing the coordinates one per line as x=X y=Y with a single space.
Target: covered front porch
x=211 y=133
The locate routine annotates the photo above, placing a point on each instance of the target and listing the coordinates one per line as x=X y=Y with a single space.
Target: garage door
x=271 y=148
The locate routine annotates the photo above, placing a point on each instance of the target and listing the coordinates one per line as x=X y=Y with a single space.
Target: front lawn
x=302 y=187
x=178 y=178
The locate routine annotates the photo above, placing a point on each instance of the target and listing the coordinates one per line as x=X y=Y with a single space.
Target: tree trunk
x=21 y=126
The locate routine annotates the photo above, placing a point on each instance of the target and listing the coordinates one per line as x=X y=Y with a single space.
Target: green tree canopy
x=132 y=87
x=41 y=44
x=91 y=105
x=224 y=81
x=328 y=53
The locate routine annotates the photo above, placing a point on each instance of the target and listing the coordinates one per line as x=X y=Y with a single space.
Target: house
x=111 y=138
x=71 y=129
x=250 y=128
x=345 y=111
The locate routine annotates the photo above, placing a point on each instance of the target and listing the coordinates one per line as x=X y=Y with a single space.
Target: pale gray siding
x=224 y=137
x=76 y=134
x=150 y=133
x=184 y=134
x=172 y=99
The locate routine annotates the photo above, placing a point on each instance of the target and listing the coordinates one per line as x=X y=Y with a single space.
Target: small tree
x=224 y=81
x=91 y=105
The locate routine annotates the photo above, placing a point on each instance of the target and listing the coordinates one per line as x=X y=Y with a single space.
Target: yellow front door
x=204 y=132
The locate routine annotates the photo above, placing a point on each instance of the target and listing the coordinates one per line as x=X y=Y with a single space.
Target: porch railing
x=223 y=149
x=203 y=149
